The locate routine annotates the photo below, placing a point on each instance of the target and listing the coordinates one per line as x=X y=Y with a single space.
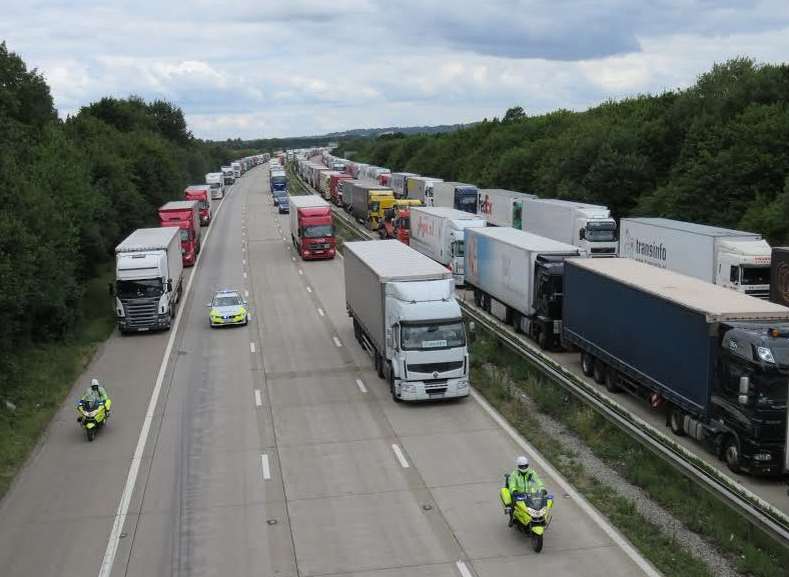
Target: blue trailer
x=716 y=361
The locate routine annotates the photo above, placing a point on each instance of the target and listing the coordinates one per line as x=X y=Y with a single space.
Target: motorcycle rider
x=521 y=480
x=94 y=395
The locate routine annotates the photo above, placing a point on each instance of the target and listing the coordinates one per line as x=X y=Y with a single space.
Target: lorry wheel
x=587 y=364
x=610 y=382
x=477 y=297
x=357 y=331
x=675 y=422
x=598 y=372
x=731 y=453
x=379 y=365
x=542 y=339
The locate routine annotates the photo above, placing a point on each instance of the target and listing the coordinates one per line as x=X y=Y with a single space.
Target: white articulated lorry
x=587 y=226
x=405 y=314
x=398 y=182
x=216 y=181
x=502 y=207
x=437 y=233
x=517 y=276
x=148 y=279
x=421 y=188
x=730 y=258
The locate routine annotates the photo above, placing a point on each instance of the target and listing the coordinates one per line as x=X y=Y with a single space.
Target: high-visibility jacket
x=520 y=482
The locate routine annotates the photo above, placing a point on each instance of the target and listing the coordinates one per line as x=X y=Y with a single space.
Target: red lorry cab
x=397 y=226
x=185 y=214
x=202 y=194
x=312 y=229
x=383 y=179
x=335 y=191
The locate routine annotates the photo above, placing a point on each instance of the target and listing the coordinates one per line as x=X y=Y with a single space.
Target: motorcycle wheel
x=536 y=543
x=91 y=434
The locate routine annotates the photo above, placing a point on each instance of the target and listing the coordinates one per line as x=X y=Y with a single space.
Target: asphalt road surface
x=274 y=450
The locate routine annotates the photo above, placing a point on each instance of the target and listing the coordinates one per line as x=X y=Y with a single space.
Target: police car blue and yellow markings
x=228 y=308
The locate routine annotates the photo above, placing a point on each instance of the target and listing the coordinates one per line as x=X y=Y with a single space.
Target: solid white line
x=251 y=347
x=400 y=457
x=320 y=312
x=134 y=468
x=361 y=386
x=337 y=342
x=462 y=569
x=258 y=398
x=593 y=513
x=264 y=464
x=309 y=289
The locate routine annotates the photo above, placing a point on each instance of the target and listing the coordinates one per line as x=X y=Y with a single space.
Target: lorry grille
x=601 y=251
x=435 y=386
x=141 y=312
x=758 y=293
x=436 y=367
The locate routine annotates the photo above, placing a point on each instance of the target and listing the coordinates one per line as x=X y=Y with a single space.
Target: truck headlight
x=763 y=457
x=765 y=354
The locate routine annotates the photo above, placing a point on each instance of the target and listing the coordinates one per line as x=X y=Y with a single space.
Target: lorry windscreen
x=601 y=231
x=129 y=289
x=318 y=230
x=432 y=336
x=752 y=275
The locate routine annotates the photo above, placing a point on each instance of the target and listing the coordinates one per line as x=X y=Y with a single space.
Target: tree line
x=71 y=189
x=715 y=153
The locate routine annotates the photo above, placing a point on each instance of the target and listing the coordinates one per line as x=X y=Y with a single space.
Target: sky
x=265 y=69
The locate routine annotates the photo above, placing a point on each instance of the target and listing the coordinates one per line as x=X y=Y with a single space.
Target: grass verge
x=49 y=372
x=753 y=552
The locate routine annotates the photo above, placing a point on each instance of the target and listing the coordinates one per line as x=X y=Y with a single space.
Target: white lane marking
x=293 y=258
x=244 y=261
x=258 y=398
x=243 y=249
x=245 y=274
x=337 y=342
x=599 y=520
x=361 y=386
x=265 y=466
x=463 y=570
x=249 y=316
x=400 y=457
x=320 y=312
x=301 y=271
x=246 y=294
x=251 y=347
x=309 y=289
x=134 y=468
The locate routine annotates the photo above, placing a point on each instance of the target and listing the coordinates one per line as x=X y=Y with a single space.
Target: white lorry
x=148 y=279
x=227 y=175
x=517 y=276
x=236 y=166
x=398 y=182
x=457 y=195
x=730 y=258
x=502 y=207
x=216 y=181
x=421 y=188
x=437 y=233
x=405 y=314
x=587 y=226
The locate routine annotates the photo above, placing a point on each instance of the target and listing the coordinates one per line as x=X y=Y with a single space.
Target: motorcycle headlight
x=536 y=512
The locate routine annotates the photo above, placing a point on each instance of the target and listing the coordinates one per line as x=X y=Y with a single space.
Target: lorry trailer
x=185 y=214
x=202 y=194
x=405 y=315
x=421 y=188
x=517 y=276
x=148 y=279
x=714 y=360
x=587 y=226
x=437 y=232
x=456 y=195
x=502 y=207
x=398 y=181
x=311 y=227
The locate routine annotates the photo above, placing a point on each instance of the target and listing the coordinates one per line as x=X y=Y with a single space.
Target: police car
x=227 y=308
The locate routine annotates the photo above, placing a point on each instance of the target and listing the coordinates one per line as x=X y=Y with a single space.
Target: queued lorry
x=311 y=227
x=502 y=207
x=587 y=226
x=148 y=279
x=779 y=275
x=714 y=360
x=335 y=187
x=405 y=315
x=216 y=181
x=729 y=258
x=279 y=181
x=421 y=188
x=398 y=183
x=367 y=203
x=227 y=175
x=236 y=166
x=202 y=194
x=397 y=220
x=185 y=214
x=517 y=277
x=456 y=195
x=438 y=233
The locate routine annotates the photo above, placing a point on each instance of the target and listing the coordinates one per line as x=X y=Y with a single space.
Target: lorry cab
x=378 y=202
x=227 y=175
x=185 y=215
x=744 y=265
x=202 y=194
x=597 y=236
x=749 y=400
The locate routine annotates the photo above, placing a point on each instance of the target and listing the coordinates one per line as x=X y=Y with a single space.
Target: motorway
x=273 y=449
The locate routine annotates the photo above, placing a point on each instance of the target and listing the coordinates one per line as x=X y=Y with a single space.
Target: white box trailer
x=502 y=207
x=148 y=279
x=421 y=188
x=731 y=258
x=398 y=183
x=457 y=195
x=587 y=226
x=521 y=271
x=405 y=314
x=437 y=233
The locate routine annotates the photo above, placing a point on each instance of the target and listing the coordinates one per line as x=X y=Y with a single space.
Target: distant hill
x=372 y=132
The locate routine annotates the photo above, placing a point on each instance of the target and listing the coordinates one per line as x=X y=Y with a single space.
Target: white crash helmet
x=522 y=463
